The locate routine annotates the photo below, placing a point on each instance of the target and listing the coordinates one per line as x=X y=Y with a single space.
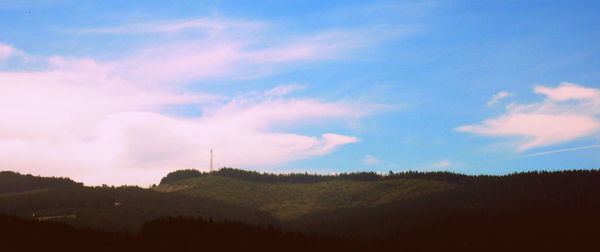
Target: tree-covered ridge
x=540 y=209
x=264 y=177
x=290 y=200
x=181 y=175
x=12 y=182
x=122 y=209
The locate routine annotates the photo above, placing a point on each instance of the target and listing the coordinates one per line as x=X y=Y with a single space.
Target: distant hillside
x=288 y=200
x=535 y=211
x=12 y=182
x=122 y=209
x=304 y=178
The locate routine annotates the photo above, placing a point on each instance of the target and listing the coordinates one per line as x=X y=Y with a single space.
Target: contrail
x=558 y=151
x=537 y=154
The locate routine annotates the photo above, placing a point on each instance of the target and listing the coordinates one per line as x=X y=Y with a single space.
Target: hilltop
x=290 y=196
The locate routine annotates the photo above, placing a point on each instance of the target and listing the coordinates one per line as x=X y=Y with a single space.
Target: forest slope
x=289 y=200
x=122 y=209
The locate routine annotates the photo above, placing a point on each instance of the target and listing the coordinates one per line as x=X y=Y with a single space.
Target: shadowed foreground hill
x=122 y=209
x=538 y=211
x=172 y=234
x=12 y=182
x=535 y=211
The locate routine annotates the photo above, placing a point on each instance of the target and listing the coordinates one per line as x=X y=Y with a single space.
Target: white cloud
x=568 y=91
x=442 y=164
x=569 y=112
x=101 y=121
x=284 y=90
x=497 y=97
x=58 y=124
x=370 y=160
x=224 y=56
x=7 y=51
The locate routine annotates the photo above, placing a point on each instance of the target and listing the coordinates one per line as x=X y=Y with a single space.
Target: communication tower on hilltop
x=211 y=159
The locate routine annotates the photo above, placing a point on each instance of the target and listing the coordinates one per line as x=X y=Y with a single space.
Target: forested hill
x=536 y=211
x=254 y=176
x=289 y=196
x=408 y=211
x=123 y=209
x=12 y=182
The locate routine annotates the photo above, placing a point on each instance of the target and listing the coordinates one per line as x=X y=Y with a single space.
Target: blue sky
x=122 y=93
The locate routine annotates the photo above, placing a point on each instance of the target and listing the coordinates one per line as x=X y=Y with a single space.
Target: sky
x=115 y=92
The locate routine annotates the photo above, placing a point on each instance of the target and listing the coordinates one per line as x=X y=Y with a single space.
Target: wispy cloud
x=8 y=51
x=225 y=55
x=558 y=151
x=208 y=25
x=544 y=153
x=371 y=160
x=442 y=164
x=569 y=112
x=497 y=97
x=284 y=89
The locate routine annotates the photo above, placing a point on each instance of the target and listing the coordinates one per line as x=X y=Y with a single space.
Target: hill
x=289 y=200
x=535 y=211
x=12 y=182
x=409 y=211
x=122 y=209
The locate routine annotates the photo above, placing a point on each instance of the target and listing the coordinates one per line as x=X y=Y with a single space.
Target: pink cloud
x=204 y=59
x=568 y=91
x=284 y=90
x=498 y=97
x=8 y=51
x=101 y=121
x=442 y=164
x=229 y=49
x=549 y=122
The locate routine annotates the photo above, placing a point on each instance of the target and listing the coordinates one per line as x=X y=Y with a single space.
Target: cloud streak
x=211 y=26
x=370 y=160
x=537 y=154
x=442 y=164
x=8 y=51
x=544 y=153
x=568 y=112
x=497 y=97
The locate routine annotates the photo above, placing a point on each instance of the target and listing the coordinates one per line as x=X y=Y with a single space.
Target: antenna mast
x=211 y=159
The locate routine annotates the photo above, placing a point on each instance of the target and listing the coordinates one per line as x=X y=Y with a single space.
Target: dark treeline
x=255 y=176
x=195 y=234
x=171 y=234
x=122 y=209
x=18 y=234
x=181 y=175
x=534 y=211
x=14 y=182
